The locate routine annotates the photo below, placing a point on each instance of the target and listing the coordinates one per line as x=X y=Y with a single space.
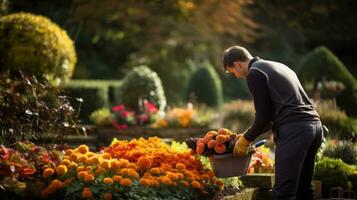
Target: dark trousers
x=296 y=146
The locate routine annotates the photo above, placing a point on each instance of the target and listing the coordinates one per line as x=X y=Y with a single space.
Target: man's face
x=236 y=69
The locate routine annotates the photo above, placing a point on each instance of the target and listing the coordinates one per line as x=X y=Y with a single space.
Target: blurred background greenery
x=176 y=37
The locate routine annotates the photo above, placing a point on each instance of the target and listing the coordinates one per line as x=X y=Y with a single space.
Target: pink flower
x=118 y=108
x=151 y=108
x=143 y=118
x=125 y=114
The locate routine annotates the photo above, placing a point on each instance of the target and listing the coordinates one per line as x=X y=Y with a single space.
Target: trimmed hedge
x=206 y=87
x=36 y=46
x=96 y=94
x=143 y=83
x=322 y=63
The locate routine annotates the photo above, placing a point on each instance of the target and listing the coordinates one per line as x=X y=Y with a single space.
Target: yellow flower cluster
x=149 y=162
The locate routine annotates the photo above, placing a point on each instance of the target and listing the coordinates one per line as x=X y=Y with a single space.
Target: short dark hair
x=235 y=53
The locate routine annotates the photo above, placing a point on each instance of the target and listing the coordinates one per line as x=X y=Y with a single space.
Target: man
x=282 y=105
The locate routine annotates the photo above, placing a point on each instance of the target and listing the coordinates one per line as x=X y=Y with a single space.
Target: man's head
x=236 y=60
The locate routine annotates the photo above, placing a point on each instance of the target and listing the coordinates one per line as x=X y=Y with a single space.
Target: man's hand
x=241 y=146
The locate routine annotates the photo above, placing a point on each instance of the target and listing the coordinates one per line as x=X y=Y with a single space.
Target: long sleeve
x=257 y=84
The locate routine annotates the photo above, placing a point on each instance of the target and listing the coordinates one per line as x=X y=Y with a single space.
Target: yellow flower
x=82 y=158
x=83 y=149
x=48 y=172
x=80 y=168
x=61 y=169
x=108 y=180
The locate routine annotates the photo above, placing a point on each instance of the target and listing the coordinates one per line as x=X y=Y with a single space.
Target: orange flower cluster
x=148 y=162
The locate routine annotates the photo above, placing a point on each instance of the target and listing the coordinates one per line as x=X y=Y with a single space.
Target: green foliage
x=142 y=83
x=101 y=117
x=353 y=179
x=344 y=150
x=205 y=87
x=94 y=95
x=332 y=173
x=339 y=124
x=31 y=108
x=322 y=64
x=35 y=45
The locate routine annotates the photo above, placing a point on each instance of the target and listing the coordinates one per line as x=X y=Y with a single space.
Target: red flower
x=143 y=118
x=118 y=108
x=119 y=126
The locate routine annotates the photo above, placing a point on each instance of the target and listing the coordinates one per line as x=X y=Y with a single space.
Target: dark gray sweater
x=278 y=97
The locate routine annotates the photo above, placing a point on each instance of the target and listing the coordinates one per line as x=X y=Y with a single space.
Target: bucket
x=227 y=165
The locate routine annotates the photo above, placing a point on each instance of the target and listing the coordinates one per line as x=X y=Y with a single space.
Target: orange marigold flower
x=107 y=196
x=155 y=170
x=81 y=174
x=165 y=180
x=82 y=158
x=106 y=156
x=116 y=178
x=133 y=173
x=145 y=182
x=48 y=172
x=196 y=184
x=80 y=168
x=56 y=184
x=144 y=163
x=105 y=164
x=90 y=154
x=180 y=175
x=123 y=163
x=83 y=149
x=88 y=178
x=61 y=169
x=205 y=176
x=72 y=165
x=171 y=175
x=114 y=164
x=69 y=152
x=108 y=180
x=166 y=167
x=67 y=181
x=125 y=182
x=87 y=193
x=89 y=168
x=180 y=166
x=65 y=162
x=73 y=157
x=132 y=166
x=100 y=170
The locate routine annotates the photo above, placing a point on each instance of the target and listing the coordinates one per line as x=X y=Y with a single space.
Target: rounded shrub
x=35 y=45
x=321 y=64
x=344 y=150
x=332 y=173
x=205 y=87
x=139 y=84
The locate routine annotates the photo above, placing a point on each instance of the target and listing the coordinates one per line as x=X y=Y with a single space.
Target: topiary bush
x=322 y=64
x=35 y=45
x=344 y=150
x=205 y=87
x=142 y=83
x=332 y=173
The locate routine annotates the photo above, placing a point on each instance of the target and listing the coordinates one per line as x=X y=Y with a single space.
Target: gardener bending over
x=282 y=105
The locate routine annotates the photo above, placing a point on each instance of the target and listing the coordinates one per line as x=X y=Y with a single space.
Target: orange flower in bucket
x=87 y=193
x=61 y=170
x=48 y=172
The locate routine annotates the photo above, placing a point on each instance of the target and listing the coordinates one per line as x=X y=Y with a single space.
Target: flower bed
x=136 y=169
